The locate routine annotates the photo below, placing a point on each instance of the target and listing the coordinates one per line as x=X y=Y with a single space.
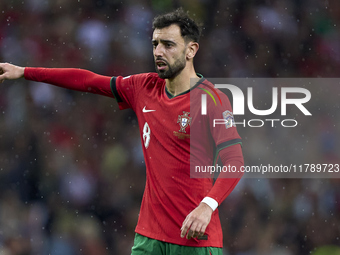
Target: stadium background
x=71 y=167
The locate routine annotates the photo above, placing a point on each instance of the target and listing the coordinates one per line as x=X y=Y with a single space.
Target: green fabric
x=327 y=250
x=147 y=246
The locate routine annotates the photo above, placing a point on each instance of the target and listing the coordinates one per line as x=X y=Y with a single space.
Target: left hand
x=9 y=72
x=197 y=221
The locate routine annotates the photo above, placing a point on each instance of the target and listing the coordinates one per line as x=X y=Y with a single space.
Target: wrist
x=22 y=72
x=212 y=203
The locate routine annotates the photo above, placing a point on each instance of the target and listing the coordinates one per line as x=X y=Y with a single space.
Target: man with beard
x=178 y=214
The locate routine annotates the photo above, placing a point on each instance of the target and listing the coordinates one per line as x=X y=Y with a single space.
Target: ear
x=192 y=49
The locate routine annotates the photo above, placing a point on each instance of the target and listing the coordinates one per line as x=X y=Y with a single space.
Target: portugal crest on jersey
x=184 y=121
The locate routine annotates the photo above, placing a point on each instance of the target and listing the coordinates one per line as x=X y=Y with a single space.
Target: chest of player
x=164 y=120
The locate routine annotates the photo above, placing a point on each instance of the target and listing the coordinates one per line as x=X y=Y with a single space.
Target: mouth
x=161 y=64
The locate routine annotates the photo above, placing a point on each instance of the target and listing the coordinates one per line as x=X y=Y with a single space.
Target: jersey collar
x=170 y=96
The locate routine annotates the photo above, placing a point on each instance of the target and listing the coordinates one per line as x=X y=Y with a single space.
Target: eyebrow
x=163 y=41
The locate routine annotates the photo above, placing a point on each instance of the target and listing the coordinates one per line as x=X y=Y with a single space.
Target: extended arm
x=70 y=78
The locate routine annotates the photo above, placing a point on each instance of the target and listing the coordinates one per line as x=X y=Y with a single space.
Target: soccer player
x=178 y=214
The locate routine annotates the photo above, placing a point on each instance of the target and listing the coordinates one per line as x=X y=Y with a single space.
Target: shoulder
x=206 y=83
x=214 y=99
x=207 y=87
x=153 y=78
x=142 y=78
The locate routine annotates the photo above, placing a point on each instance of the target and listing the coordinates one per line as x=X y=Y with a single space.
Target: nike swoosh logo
x=145 y=110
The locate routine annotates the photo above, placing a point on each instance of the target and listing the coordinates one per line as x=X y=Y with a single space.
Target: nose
x=158 y=51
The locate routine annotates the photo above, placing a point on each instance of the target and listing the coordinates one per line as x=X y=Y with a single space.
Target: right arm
x=70 y=78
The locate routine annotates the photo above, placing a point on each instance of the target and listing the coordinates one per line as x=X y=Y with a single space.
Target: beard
x=173 y=70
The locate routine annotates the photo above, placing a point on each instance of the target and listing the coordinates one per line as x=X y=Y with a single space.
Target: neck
x=181 y=82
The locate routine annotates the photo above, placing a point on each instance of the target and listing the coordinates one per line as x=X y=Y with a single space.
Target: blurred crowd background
x=71 y=166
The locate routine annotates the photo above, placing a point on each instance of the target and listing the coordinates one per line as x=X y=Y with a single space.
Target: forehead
x=171 y=32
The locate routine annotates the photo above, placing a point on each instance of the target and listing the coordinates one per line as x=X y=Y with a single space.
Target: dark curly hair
x=190 y=30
